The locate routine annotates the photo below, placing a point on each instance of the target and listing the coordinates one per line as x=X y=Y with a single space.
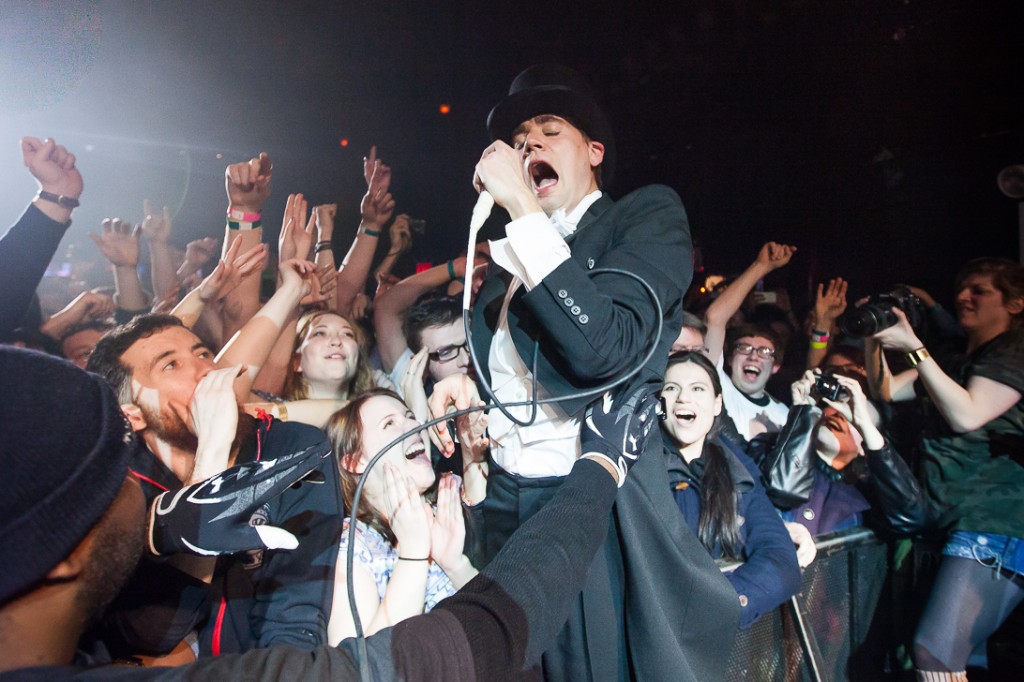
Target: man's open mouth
x=543 y=176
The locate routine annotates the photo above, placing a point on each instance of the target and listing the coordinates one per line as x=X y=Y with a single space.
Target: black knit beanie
x=64 y=447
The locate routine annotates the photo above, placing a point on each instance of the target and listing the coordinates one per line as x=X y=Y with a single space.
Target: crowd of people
x=604 y=479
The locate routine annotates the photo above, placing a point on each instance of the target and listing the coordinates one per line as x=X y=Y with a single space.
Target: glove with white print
x=213 y=516
x=618 y=426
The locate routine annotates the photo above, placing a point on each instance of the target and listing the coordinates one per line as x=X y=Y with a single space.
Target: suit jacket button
x=808 y=514
x=743 y=600
x=590 y=263
x=584 y=319
x=562 y=293
x=569 y=301
x=575 y=310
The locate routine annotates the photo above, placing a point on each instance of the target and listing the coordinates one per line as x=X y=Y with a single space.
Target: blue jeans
x=988 y=549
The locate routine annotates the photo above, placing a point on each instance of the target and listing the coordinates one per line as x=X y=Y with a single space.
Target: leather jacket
x=787 y=461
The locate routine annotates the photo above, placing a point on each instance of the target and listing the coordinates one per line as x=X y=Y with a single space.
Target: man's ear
x=71 y=566
x=1015 y=305
x=134 y=414
x=596 y=153
x=776 y=367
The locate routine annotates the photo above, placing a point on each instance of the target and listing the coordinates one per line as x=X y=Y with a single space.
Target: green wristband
x=451 y=270
x=372 y=233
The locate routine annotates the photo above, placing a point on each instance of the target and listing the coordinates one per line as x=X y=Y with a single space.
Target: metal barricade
x=844 y=608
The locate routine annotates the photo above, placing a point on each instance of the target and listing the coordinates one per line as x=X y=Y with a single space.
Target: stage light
x=344 y=142
x=444 y=108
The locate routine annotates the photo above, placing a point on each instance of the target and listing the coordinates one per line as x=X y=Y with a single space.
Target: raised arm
x=157 y=228
x=88 y=305
x=231 y=271
x=390 y=305
x=771 y=257
x=29 y=245
x=829 y=304
x=375 y=212
x=119 y=244
x=401 y=241
x=964 y=408
x=254 y=342
x=248 y=186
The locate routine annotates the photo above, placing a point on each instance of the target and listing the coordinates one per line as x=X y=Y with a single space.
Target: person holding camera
x=830 y=468
x=972 y=472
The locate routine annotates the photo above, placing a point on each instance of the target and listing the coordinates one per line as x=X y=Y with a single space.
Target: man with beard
x=189 y=427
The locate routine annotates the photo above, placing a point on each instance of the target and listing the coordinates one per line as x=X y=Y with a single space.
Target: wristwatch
x=60 y=199
x=916 y=357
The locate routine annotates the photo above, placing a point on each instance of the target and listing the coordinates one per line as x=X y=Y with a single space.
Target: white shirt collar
x=566 y=224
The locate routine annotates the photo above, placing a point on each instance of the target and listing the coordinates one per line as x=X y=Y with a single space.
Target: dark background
x=868 y=133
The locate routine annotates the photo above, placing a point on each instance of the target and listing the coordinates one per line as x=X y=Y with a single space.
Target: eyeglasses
x=747 y=349
x=448 y=353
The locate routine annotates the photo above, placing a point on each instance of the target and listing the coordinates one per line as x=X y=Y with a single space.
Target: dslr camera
x=877 y=314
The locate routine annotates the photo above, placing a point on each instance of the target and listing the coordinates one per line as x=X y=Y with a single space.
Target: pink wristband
x=239 y=215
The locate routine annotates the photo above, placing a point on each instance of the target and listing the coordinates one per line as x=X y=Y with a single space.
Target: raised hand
x=413 y=390
x=830 y=303
x=409 y=517
x=52 y=166
x=448 y=533
x=248 y=183
x=618 y=426
x=454 y=392
x=401 y=235
x=296 y=237
x=232 y=269
x=156 y=227
x=801 y=389
x=200 y=251
x=377 y=204
x=119 y=242
x=212 y=516
x=773 y=256
x=324 y=214
x=212 y=415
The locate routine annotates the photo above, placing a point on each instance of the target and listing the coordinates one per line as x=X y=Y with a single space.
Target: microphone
x=481 y=211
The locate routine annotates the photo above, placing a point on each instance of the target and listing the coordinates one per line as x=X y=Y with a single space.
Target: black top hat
x=553 y=89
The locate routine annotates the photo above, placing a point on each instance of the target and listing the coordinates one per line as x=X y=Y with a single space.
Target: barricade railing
x=838 y=628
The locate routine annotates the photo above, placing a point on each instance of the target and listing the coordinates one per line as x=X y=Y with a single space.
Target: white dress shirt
x=534 y=247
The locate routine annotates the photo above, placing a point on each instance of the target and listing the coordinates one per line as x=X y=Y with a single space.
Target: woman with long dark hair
x=718 y=490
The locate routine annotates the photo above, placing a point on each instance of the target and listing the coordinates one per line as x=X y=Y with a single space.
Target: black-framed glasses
x=747 y=349
x=448 y=353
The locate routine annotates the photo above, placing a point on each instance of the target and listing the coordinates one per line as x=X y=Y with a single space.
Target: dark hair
x=1007 y=277
x=106 y=357
x=737 y=333
x=436 y=312
x=89 y=325
x=345 y=431
x=719 y=519
x=295 y=386
x=693 y=322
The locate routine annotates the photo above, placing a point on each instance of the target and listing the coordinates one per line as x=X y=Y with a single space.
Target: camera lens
x=867 y=320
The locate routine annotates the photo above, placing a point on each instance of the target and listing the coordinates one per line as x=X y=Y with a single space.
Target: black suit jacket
x=680 y=613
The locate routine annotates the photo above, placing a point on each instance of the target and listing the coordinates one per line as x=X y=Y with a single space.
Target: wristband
x=371 y=233
x=244 y=226
x=916 y=357
x=59 y=199
x=405 y=558
x=819 y=345
x=818 y=332
x=322 y=246
x=451 y=270
x=240 y=215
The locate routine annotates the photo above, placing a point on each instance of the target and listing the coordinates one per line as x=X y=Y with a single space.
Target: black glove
x=618 y=426
x=213 y=516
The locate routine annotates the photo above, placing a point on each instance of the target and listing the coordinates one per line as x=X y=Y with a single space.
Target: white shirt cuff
x=537 y=246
